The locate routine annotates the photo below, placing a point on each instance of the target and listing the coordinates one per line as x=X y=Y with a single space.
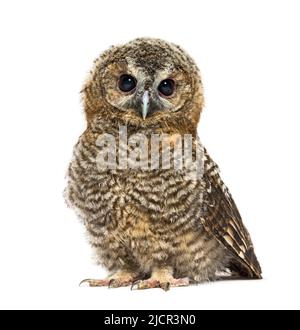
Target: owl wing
x=221 y=219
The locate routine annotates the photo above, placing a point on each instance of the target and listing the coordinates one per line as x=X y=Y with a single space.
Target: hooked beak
x=145 y=104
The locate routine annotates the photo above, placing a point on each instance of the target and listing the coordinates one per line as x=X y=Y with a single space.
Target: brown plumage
x=160 y=226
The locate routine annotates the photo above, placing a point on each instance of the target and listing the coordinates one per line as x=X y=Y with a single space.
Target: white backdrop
x=248 y=53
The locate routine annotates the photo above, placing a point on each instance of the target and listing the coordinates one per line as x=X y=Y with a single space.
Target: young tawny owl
x=155 y=215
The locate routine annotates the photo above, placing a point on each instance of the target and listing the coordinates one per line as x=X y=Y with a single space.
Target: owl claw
x=134 y=284
x=165 y=286
x=112 y=283
x=94 y=283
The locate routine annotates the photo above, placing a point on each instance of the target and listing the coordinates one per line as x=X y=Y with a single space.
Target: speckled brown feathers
x=221 y=218
x=155 y=226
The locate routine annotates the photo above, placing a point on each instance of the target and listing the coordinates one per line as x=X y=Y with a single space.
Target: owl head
x=144 y=83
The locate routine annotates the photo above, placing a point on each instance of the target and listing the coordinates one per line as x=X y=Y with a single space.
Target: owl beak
x=145 y=104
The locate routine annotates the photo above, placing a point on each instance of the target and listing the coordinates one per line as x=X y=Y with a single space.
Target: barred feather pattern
x=137 y=219
x=222 y=220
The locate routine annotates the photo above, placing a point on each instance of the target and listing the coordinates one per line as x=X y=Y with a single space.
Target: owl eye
x=127 y=83
x=167 y=87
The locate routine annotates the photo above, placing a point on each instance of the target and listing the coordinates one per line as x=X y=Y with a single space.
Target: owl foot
x=119 y=279
x=153 y=283
x=161 y=278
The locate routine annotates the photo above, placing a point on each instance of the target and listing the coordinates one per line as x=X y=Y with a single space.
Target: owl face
x=146 y=92
x=145 y=82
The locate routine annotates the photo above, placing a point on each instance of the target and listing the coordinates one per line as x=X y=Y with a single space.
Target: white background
x=249 y=55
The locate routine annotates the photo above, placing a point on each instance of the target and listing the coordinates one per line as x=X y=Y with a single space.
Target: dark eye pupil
x=127 y=83
x=166 y=87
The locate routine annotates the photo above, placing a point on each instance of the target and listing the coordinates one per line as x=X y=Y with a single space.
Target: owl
x=152 y=225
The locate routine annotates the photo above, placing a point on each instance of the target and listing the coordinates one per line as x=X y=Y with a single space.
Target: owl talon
x=165 y=286
x=134 y=284
x=94 y=283
x=112 y=283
